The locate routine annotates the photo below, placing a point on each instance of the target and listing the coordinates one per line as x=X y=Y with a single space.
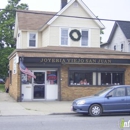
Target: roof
x=33 y=20
x=124 y=26
x=70 y=50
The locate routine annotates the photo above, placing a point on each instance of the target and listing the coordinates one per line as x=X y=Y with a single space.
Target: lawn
x=2 y=87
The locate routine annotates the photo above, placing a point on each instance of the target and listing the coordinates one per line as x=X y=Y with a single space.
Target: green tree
x=7 y=22
x=4 y=53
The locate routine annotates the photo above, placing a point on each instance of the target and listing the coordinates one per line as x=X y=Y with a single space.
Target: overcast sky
x=105 y=9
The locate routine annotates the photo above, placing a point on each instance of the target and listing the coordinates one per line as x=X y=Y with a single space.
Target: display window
x=98 y=77
x=51 y=77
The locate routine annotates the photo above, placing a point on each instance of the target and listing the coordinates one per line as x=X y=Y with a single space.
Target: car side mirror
x=108 y=96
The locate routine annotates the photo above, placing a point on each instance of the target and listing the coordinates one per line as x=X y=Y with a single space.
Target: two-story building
x=62 y=51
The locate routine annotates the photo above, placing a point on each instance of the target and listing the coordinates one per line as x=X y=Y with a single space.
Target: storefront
x=67 y=75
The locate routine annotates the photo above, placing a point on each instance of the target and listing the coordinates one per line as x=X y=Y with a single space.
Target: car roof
x=118 y=86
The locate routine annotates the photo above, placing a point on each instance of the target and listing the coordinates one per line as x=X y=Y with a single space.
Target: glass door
x=39 y=85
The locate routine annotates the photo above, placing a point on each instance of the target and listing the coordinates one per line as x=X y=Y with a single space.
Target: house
x=119 y=38
x=56 y=50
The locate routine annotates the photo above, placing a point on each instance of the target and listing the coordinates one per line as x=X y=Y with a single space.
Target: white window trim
x=68 y=36
x=88 y=37
x=36 y=39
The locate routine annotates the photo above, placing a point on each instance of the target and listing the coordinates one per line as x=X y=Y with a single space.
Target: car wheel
x=95 y=110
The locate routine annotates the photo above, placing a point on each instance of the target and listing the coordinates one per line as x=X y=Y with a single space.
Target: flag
x=25 y=70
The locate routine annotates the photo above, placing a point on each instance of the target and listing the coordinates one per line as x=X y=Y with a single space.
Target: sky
x=104 y=9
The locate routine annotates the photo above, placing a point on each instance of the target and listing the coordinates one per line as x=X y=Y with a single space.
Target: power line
x=43 y=13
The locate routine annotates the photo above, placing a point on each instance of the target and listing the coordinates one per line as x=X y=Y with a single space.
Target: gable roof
x=83 y=5
x=124 y=26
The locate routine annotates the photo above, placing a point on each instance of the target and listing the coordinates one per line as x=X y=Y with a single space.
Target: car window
x=128 y=91
x=118 y=92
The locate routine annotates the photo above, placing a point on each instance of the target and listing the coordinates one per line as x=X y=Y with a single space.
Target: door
x=116 y=101
x=39 y=85
x=128 y=98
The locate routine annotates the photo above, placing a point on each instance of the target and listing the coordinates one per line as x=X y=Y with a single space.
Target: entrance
x=39 y=85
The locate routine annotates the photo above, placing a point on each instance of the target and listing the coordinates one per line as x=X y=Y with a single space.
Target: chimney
x=63 y=3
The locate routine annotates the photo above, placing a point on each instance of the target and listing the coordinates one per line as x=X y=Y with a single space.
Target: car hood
x=87 y=98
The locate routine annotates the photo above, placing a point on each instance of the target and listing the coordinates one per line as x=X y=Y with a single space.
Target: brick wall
x=71 y=93
x=14 y=87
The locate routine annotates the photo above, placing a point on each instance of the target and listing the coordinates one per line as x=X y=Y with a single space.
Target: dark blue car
x=111 y=99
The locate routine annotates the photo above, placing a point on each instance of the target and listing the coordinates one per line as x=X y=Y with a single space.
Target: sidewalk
x=8 y=106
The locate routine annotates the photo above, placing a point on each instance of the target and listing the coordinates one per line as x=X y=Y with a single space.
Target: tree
x=7 y=22
x=4 y=53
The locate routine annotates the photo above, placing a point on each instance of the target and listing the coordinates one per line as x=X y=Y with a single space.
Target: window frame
x=93 y=70
x=68 y=43
x=81 y=37
x=36 y=40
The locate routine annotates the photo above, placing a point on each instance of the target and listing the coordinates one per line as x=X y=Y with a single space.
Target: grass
x=2 y=87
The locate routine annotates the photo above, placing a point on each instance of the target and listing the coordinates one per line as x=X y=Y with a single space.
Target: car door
x=115 y=100
x=128 y=98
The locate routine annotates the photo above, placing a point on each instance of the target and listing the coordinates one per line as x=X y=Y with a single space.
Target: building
x=119 y=38
x=62 y=51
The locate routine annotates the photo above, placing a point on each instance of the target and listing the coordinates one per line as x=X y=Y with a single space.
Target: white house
x=119 y=38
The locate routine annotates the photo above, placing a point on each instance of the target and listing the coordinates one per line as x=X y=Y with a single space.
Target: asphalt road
x=62 y=122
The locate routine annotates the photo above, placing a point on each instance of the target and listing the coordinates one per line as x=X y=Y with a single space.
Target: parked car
x=111 y=99
x=2 y=81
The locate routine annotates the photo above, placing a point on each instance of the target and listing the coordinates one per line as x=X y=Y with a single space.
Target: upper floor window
x=122 y=47
x=84 y=38
x=115 y=47
x=64 y=36
x=32 y=39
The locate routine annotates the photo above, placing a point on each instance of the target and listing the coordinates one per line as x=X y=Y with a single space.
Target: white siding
x=119 y=39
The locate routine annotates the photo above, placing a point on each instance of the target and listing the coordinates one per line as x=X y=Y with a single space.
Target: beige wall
x=51 y=35
x=73 y=23
x=45 y=37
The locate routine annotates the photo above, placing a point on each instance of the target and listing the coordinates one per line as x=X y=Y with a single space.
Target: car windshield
x=102 y=92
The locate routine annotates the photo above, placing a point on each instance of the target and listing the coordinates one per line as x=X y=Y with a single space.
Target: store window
x=51 y=77
x=80 y=78
x=26 y=79
x=110 y=78
x=95 y=76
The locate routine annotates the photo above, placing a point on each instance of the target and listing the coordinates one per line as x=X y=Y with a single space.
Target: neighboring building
x=119 y=39
x=62 y=51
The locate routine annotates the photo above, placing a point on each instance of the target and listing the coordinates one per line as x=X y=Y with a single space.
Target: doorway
x=39 y=85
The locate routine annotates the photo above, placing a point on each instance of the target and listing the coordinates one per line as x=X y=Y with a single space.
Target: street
x=62 y=122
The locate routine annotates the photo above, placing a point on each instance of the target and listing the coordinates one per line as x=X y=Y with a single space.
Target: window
x=110 y=78
x=32 y=39
x=84 y=38
x=80 y=78
x=64 y=36
x=95 y=76
x=119 y=92
x=115 y=47
x=128 y=91
x=122 y=47
x=51 y=77
x=10 y=75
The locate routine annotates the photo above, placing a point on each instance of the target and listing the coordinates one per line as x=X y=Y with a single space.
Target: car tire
x=95 y=110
